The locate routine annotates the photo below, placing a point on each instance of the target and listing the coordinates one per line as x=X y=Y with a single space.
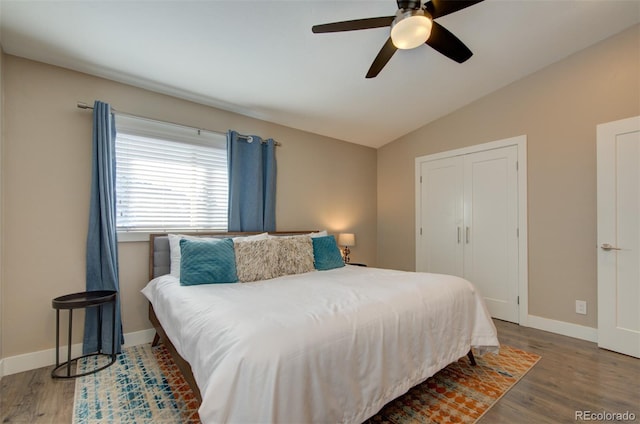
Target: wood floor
x=573 y=375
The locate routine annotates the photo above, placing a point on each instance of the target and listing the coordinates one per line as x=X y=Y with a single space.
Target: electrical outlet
x=581 y=307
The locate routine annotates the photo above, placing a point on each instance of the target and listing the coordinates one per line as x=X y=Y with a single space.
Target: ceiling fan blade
x=448 y=44
x=383 y=57
x=438 y=8
x=356 y=24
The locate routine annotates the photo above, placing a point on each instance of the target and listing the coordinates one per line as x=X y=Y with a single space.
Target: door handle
x=459 y=234
x=467 y=235
x=607 y=247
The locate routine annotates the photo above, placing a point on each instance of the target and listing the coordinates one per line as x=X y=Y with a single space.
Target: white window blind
x=169 y=177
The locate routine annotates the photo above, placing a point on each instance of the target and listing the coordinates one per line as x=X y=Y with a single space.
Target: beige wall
x=322 y=184
x=557 y=108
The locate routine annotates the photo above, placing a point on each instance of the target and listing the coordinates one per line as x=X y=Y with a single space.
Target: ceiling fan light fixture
x=410 y=29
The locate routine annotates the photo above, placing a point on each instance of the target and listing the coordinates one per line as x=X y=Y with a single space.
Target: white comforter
x=325 y=346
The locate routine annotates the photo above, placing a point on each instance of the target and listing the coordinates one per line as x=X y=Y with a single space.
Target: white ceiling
x=260 y=58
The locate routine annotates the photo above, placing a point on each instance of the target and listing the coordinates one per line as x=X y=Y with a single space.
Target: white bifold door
x=468 y=223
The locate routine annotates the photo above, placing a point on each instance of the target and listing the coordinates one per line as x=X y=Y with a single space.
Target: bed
x=320 y=346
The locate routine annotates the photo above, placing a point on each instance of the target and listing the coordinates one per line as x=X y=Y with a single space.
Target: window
x=169 y=177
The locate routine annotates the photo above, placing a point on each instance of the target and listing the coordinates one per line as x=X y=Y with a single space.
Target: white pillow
x=174 y=252
x=261 y=236
x=313 y=235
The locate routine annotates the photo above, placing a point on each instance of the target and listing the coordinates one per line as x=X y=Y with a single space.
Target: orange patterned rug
x=145 y=386
x=460 y=393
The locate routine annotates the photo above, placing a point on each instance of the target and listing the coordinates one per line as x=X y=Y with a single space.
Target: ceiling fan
x=412 y=26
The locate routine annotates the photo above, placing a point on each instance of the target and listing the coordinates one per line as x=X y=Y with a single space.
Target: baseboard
x=45 y=358
x=139 y=337
x=565 y=328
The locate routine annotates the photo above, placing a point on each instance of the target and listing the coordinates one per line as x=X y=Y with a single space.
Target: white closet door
x=471 y=221
x=490 y=228
x=441 y=200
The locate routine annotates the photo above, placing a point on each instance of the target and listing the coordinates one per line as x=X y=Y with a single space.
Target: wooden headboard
x=159 y=254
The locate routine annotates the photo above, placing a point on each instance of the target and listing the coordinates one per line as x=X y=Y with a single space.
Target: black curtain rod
x=83 y=105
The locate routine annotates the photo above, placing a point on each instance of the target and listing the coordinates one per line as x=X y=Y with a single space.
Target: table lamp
x=347 y=240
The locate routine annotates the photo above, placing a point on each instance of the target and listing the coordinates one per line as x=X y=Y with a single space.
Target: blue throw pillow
x=326 y=254
x=207 y=262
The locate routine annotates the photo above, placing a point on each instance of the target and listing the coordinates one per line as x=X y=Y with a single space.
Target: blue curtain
x=252 y=183
x=102 y=243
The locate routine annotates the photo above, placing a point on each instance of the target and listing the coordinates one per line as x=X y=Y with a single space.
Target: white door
x=441 y=203
x=618 y=147
x=468 y=223
x=491 y=226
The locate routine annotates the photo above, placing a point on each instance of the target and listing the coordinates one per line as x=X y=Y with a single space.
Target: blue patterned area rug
x=143 y=386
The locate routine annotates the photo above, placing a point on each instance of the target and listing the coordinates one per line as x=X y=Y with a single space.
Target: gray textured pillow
x=274 y=257
x=295 y=255
x=256 y=260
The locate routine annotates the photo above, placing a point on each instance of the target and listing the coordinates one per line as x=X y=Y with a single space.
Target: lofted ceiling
x=260 y=58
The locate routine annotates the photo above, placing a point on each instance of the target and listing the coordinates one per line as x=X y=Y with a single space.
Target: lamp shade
x=410 y=29
x=346 y=239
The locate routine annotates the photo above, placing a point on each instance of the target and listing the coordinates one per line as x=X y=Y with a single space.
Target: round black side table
x=73 y=301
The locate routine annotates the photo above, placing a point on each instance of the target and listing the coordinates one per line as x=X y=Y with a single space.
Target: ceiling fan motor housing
x=409 y=4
